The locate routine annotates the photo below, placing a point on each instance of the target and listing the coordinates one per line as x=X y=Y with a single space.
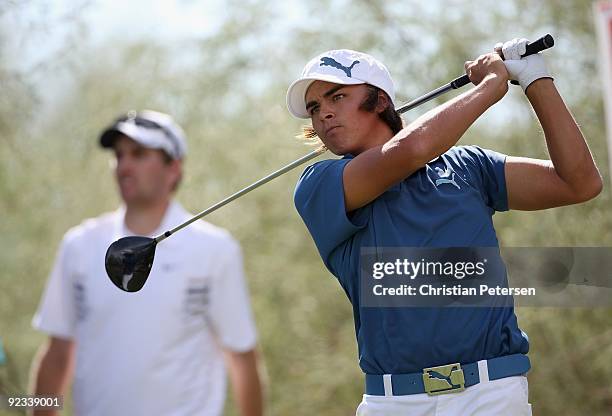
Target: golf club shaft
x=545 y=42
x=248 y=189
x=542 y=43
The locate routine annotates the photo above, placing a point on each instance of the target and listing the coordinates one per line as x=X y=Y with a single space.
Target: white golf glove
x=524 y=70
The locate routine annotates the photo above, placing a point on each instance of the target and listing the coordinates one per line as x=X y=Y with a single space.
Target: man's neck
x=377 y=137
x=143 y=220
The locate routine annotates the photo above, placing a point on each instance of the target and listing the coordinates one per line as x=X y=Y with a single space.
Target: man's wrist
x=539 y=85
x=494 y=86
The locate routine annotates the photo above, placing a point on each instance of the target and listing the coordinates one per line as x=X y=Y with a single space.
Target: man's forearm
x=438 y=130
x=249 y=395
x=246 y=382
x=567 y=147
x=50 y=375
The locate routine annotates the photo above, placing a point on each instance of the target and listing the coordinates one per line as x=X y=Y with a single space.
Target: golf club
x=129 y=260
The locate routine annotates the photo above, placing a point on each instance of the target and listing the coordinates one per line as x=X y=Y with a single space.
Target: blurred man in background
x=160 y=351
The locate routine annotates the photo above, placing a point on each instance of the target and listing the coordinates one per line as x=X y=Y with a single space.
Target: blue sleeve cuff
x=319 y=199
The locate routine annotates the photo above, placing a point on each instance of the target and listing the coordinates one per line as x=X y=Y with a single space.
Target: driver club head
x=128 y=262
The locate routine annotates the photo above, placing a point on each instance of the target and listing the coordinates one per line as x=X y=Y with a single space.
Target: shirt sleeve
x=489 y=169
x=319 y=199
x=56 y=311
x=230 y=308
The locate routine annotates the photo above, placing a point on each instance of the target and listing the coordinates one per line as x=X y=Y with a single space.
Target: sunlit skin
x=383 y=159
x=338 y=121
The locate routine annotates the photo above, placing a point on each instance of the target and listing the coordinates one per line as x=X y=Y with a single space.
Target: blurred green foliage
x=227 y=90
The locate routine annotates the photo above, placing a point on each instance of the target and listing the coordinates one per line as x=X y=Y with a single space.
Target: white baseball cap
x=341 y=66
x=149 y=128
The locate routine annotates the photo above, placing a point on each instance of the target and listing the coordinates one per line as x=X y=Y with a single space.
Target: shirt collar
x=172 y=217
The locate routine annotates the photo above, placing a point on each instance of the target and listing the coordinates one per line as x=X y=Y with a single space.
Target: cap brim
x=136 y=133
x=296 y=94
x=108 y=137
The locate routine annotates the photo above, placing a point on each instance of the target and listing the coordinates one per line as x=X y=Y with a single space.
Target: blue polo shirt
x=447 y=203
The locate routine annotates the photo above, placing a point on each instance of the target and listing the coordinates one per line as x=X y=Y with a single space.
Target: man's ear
x=176 y=166
x=383 y=102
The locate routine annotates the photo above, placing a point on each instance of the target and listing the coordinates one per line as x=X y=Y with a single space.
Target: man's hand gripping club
x=522 y=69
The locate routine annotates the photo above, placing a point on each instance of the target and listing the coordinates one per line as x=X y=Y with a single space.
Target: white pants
x=504 y=397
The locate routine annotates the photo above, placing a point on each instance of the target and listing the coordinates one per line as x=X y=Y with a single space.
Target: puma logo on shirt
x=444 y=174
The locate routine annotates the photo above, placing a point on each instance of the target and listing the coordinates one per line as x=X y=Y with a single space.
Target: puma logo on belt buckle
x=443 y=379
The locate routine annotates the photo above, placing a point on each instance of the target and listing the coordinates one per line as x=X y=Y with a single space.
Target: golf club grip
x=543 y=43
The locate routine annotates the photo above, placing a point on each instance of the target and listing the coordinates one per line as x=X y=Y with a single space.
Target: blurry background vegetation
x=227 y=89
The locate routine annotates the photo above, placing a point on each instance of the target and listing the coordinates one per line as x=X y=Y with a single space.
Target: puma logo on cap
x=327 y=61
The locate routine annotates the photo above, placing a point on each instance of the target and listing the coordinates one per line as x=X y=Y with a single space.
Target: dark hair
x=389 y=116
x=168 y=160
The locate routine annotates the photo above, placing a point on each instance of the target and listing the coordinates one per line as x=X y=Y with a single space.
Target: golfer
x=410 y=186
x=159 y=351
